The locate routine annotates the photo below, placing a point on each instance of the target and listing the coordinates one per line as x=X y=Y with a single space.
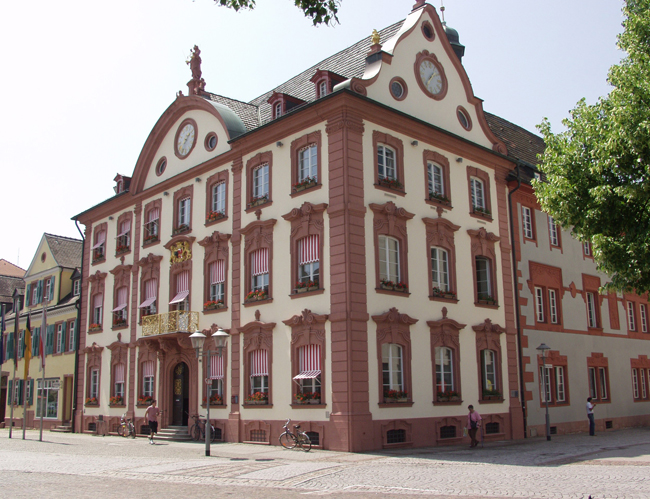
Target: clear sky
x=84 y=82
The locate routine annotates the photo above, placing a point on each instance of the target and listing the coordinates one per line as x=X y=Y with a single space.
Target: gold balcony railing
x=176 y=321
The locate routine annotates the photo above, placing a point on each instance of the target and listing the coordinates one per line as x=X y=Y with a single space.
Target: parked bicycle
x=198 y=429
x=289 y=439
x=126 y=427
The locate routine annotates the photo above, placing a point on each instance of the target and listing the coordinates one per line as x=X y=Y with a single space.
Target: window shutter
x=52 y=281
x=35 y=339
x=74 y=336
x=10 y=396
x=22 y=345
x=10 y=346
x=61 y=348
x=39 y=291
x=49 y=341
x=21 y=387
x=28 y=294
x=31 y=392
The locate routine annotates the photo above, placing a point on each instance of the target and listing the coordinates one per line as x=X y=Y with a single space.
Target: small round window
x=464 y=118
x=398 y=88
x=160 y=167
x=211 y=141
x=427 y=31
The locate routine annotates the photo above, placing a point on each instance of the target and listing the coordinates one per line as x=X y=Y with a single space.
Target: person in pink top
x=151 y=415
x=473 y=424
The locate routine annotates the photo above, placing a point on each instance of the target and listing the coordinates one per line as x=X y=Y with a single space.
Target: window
x=560 y=395
x=539 y=304
x=440 y=269
x=386 y=163
x=259 y=369
x=260 y=270
x=217 y=279
x=598 y=377
x=602 y=378
x=152 y=224
x=258 y=255
x=120 y=312
x=147 y=378
x=322 y=88
x=99 y=247
x=21 y=344
x=308 y=261
x=553 y=232
x=483 y=279
x=435 y=180
x=49 y=395
x=148 y=306
x=527 y=222
x=644 y=391
x=631 y=320
x=389 y=259
x=593 y=383
x=308 y=163
x=586 y=248
x=635 y=383
x=478 y=198
x=278 y=110
x=49 y=288
x=71 y=338
x=552 y=384
x=94 y=384
x=489 y=371
x=444 y=370
x=118 y=381
x=643 y=312
x=123 y=239
x=552 y=303
x=35 y=294
x=60 y=338
x=309 y=377
x=76 y=287
x=393 y=376
x=184 y=212
x=591 y=310
x=261 y=182
x=181 y=298
x=219 y=198
x=98 y=300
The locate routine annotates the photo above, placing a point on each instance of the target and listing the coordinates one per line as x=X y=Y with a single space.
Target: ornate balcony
x=176 y=321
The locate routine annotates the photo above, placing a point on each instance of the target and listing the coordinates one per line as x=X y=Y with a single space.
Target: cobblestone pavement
x=611 y=465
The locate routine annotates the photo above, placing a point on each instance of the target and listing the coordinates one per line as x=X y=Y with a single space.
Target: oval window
x=160 y=167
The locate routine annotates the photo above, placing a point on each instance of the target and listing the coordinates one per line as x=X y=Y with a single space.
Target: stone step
x=62 y=429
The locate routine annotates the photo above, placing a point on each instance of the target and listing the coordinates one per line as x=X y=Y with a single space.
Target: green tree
x=320 y=11
x=598 y=170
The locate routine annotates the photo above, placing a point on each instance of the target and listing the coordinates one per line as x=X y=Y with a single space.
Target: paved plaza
x=615 y=464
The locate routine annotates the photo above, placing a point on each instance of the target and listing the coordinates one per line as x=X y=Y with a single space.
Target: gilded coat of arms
x=180 y=252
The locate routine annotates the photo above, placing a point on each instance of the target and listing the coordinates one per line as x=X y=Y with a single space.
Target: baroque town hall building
x=349 y=230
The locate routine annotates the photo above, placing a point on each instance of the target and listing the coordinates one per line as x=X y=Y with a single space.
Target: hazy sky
x=83 y=82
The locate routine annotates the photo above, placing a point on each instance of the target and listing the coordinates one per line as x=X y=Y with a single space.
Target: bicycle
x=289 y=439
x=198 y=429
x=126 y=427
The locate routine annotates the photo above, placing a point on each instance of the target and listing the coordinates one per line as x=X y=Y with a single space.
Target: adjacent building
x=53 y=280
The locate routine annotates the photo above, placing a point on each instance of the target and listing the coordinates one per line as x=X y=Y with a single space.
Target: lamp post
x=198 y=340
x=544 y=348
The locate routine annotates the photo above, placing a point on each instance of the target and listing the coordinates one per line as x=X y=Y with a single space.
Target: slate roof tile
x=66 y=251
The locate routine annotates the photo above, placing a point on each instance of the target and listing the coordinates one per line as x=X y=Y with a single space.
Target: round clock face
x=185 y=140
x=431 y=77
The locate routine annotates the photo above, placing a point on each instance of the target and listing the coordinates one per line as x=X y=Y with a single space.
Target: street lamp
x=198 y=340
x=544 y=348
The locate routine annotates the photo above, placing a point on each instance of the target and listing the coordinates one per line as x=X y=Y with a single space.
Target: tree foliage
x=319 y=11
x=598 y=170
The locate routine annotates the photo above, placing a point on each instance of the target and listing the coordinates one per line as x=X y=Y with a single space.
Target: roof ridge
x=64 y=237
x=230 y=98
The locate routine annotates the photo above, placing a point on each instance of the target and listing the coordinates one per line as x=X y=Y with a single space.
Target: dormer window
x=324 y=82
x=121 y=183
x=76 y=287
x=120 y=186
x=278 y=110
x=322 y=88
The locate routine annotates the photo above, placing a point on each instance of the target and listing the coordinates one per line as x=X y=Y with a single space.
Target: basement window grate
x=395 y=436
x=447 y=432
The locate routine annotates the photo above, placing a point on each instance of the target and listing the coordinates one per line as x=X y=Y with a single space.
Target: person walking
x=151 y=415
x=473 y=424
x=590 y=415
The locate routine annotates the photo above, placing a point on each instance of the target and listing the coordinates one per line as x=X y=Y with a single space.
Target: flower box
x=181 y=229
x=119 y=323
x=121 y=249
x=314 y=401
x=439 y=198
x=213 y=305
x=257 y=402
x=401 y=287
x=151 y=239
x=145 y=401
x=91 y=402
x=391 y=184
x=214 y=215
x=258 y=201
x=300 y=290
x=94 y=327
x=313 y=288
x=484 y=212
x=305 y=184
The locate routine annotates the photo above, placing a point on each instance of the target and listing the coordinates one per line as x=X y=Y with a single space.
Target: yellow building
x=53 y=280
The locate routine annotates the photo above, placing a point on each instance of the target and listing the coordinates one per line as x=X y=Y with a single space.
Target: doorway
x=180 y=394
x=67 y=399
x=3 y=397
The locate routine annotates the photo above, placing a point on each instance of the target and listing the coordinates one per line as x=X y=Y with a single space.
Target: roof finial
x=375 y=37
x=442 y=11
x=196 y=84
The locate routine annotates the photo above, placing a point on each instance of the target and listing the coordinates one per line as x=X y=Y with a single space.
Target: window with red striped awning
x=309 y=356
x=217 y=272
x=121 y=299
x=308 y=250
x=101 y=239
x=216 y=367
x=260 y=262
x=154 y=214
x=182 y=287
x=147 y=368
x=119 y=373
x=125 y=228
x=150 y=288
x=259 y=363
x=97 y=301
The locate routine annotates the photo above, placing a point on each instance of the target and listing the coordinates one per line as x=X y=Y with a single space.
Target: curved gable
x=208 y=118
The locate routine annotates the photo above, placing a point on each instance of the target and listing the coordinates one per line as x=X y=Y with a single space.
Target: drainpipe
x=77 y=329
x=520 y=358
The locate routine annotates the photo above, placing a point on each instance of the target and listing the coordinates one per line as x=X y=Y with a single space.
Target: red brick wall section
x=350 y=419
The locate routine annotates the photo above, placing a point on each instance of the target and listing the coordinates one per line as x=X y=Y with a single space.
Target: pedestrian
x=473 y=424
x=590 y=415
x=151 y=415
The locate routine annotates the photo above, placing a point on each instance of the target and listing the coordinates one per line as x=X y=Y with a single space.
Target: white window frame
x=261 y=181
x=560 y=388
x=552 y=230
x=392 y=358
x=440 y=269
x=644 y=390
x=527 y=222
x=635 y=382
x=586 y=247
x=643 y=312
x=278 y=109
x=442 y=370
x=259 y=384
x=539 y=304
x=147 y=386
x=48 y=285
x=386 y=162
x=76 y=287
x=322 y=88
x=591 y=310
x=71 y=338
x=184 y=209
x=219 y=197
x=44 y=394
x=389 y=258
x=436 y=179
x=602 y=378
x=593 y=383
x=260 y=282
x=478 y=193
x=489 y=375
x=552 y=306
x=631 y=318
x=59 y=337
x=308 y=162
x=545 y=386
x=487 y=278
x=309 y=272
x=94 y=384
